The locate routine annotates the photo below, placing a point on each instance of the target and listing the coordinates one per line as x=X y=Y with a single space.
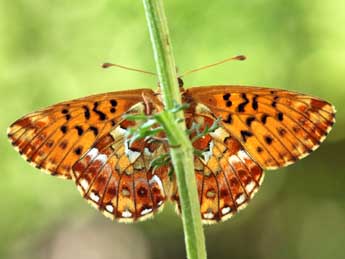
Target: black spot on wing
x=255 y=104
x=226 y=97
x=63 y=129
x=228 y=119
x=241 y=106
x=113 y=102
x=280 y=116
x=86 y=112
x=78 y=150
x=63 y=144
x=101 y=115
x=245 y=134
x=264 y=118
x=49 y=143
x=250 y=120
x=94 y=130
x=281 y=132
x=80 y=130
x=274 y=103
x=259 y=149
x=268 y=140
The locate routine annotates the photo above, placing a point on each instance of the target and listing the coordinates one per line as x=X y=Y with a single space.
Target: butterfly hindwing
x=227 y=177
x=276 y=127
x=53 y=139
x=117 y=178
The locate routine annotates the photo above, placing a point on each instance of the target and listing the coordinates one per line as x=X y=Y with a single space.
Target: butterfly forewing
x=54 y=138
x=276 y=127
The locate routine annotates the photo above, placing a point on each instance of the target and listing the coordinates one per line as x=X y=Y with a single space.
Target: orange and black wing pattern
x=117 y=177
x=276 y=127
x=88 y=140
x=227 y=177
x=54 y=138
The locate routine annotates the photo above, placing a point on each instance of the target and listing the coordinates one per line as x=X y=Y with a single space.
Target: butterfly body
x=87 y=140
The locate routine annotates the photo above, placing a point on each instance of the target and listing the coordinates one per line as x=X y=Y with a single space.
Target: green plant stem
x=182 y=155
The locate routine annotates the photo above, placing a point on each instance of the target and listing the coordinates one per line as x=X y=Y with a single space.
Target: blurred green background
x=51 y=51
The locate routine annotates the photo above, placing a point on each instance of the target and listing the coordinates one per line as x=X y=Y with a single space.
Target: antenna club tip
x=241 y=57
x=106 y=65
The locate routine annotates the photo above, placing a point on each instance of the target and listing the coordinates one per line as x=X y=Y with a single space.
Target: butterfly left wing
x=276 y=127
x=54 y=138
x=118 y=179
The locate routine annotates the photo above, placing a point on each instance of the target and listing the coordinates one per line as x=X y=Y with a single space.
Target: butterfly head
x=180 y=82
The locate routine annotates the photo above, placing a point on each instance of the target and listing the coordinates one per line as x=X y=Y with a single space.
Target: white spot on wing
x=126 y=214
x=226 y=210
x=219 y=134
x=147 y=152
x=207 y=154
x=303 y=155
x=92 y=153
x=102 y=158
x=233 y=159
x=145 y=211
x=156 y=179
x=132 y=155
x=316 y=146
x=250 y=186
x=109 y=208
x=201 y=108
x=94 y=197
x=274 y=167
x=288 y=163
x=118 y=133
x=84 y=184
x=208 y=215
x=241 y=199
x=261 y=178
x=242 y=155
x=324 y=137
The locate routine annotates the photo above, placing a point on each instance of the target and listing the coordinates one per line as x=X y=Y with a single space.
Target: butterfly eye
x=180 y=82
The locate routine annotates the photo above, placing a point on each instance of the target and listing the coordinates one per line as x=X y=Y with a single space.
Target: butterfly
x=85 y=140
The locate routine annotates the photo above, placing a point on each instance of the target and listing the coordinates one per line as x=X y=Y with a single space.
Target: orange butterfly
x=86 y=140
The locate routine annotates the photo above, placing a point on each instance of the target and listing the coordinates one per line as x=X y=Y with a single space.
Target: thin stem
x=181 y=156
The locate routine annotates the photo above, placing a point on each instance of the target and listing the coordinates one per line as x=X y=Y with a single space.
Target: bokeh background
x=51 y=51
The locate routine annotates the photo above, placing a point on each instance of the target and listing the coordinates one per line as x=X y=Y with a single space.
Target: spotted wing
x=276 y=127
x=118 y=179
x=54 y=138
x=227 y=177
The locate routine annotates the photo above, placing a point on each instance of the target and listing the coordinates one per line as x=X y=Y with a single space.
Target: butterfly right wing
x=276 y=127
x=54 y=138
x=226 y=176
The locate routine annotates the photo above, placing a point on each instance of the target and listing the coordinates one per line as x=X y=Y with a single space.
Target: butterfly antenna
x=106 y=65
x=240 y=57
